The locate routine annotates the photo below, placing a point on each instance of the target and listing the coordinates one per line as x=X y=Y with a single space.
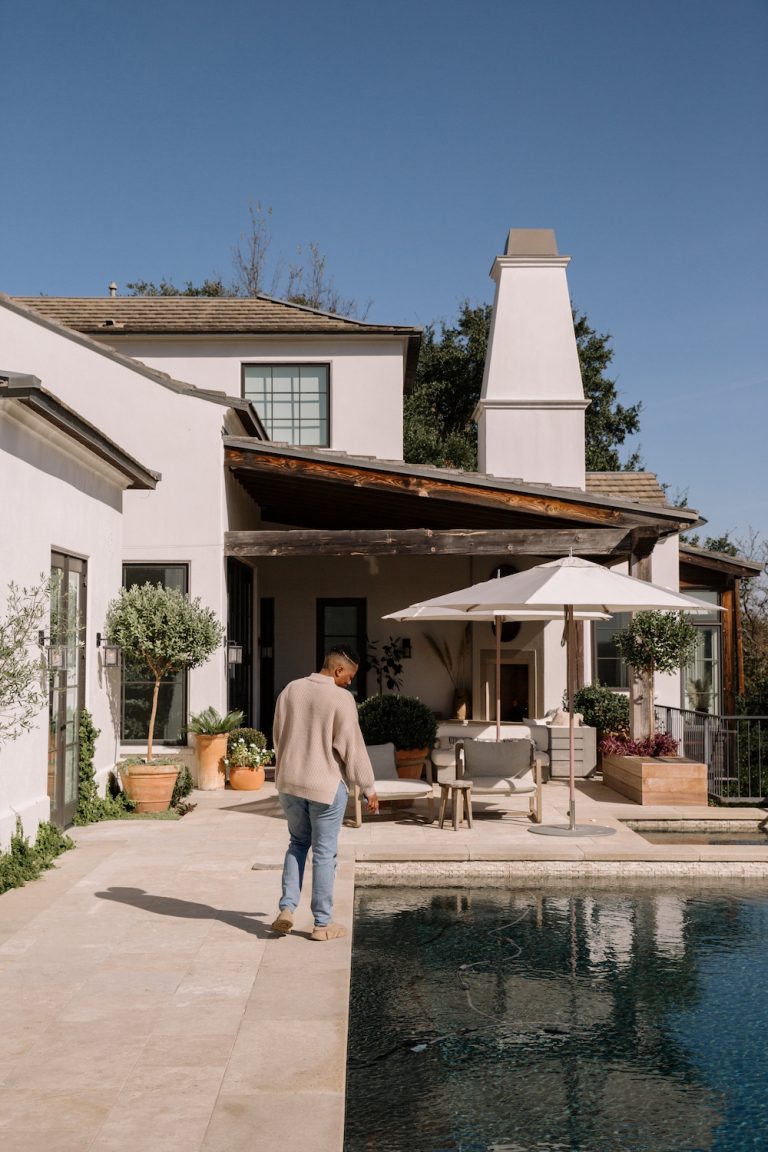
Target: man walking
x=319 y=749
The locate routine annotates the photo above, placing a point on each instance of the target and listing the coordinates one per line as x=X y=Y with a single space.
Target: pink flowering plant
x=653 y=746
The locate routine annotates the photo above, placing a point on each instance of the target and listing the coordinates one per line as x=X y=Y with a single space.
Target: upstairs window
x=292 y=401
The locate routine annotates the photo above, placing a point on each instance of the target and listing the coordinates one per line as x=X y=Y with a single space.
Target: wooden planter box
x=656 y=780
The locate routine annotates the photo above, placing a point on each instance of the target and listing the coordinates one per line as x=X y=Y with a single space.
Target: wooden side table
x=460 y=792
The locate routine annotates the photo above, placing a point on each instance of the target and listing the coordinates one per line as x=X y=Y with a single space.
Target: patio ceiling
x=350 y=504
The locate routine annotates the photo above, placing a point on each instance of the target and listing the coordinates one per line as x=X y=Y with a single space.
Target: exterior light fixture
x=405 y=646
x=110 y=653
x=55 y=654
x=234 y=653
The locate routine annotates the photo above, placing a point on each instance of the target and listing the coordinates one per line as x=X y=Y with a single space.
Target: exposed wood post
x=640 y=687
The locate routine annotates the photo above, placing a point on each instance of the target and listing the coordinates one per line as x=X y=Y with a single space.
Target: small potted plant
x=404 y=721
x=247 y=758
x=211 y=732
x=164 y=631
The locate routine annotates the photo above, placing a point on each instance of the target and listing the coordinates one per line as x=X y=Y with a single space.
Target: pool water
x=553 y=1018
x=746 y=839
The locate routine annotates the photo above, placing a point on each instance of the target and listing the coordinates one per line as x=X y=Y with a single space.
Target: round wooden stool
x=460 y=792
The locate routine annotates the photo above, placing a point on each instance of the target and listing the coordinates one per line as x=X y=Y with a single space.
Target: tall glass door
x=66 y=683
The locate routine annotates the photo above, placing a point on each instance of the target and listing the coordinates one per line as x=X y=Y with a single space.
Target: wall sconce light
x=110 y=653
x=234 y=654
x=405 y=645
x=55 y=654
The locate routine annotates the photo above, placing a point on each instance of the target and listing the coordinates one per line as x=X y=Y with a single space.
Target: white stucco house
x=249 y=451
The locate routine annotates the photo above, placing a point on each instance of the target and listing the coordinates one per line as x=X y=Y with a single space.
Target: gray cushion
x=509 y=758
x=383 y=762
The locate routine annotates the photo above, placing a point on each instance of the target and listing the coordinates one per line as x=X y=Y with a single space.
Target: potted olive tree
x=655 y=642
x=646 y=767
x=404 y=721
x=165 y=631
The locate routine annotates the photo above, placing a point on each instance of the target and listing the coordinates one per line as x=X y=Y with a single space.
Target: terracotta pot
x=410 y=762
x=150 y=786
x=211 y=751
x=246 y=779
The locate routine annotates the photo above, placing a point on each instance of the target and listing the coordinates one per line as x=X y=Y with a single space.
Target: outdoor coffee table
x=460 y=792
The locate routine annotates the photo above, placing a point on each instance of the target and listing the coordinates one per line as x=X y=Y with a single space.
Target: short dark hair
x=344 y=652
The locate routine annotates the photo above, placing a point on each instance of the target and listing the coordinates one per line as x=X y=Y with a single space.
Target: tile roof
x=245 y=409
x=641 y=486
x=190 y=315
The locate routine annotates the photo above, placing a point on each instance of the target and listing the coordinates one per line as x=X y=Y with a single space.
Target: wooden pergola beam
x=427 y=542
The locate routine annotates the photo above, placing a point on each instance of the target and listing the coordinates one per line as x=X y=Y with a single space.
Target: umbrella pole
x=498 y=679
x=570 y=680
x=571 y=828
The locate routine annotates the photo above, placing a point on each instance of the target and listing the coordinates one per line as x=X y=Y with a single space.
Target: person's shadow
x=188 y=910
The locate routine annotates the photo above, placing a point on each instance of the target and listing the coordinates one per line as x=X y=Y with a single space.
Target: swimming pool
x=747 y=833
x=559 y=1017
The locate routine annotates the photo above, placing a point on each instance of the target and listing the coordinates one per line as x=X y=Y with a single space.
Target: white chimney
x=530 y=417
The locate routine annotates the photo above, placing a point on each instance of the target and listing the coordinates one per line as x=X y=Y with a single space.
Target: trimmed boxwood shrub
x=404 y=721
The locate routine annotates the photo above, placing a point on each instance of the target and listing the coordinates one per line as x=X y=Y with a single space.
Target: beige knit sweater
x=318 y=741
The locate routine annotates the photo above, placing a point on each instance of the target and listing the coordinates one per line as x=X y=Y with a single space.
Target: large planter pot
x=410 y=762
x=150 y=786
x=246 y=779
x=656 y=779
x=211 y=751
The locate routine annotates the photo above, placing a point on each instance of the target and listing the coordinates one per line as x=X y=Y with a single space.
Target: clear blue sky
x=405 y=137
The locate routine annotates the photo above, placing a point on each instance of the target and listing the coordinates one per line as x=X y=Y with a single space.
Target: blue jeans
x=316 y=826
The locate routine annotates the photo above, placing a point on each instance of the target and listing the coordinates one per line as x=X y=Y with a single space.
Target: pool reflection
x=545 y=1019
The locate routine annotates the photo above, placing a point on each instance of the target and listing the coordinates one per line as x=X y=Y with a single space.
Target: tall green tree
x=438 y=426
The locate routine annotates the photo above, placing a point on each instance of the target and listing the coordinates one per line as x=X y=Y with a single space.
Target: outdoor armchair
x=389 y=786
x=507 y=768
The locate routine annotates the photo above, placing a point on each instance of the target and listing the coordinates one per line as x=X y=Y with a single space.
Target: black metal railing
x=734 y=748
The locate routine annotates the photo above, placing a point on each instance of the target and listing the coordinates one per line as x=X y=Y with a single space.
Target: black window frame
x=323 y=642
x=326 y=364
x=182 y=678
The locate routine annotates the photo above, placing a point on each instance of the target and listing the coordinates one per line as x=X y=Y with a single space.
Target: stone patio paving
x=146 y=1005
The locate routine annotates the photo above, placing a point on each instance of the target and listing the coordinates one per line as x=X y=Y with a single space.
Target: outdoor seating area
x=392 y=788
x=505 y=769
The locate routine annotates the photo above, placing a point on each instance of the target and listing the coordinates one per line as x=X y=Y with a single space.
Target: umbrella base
x=566 y=830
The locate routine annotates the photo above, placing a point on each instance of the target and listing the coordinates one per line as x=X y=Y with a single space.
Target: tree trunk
x=152 y=715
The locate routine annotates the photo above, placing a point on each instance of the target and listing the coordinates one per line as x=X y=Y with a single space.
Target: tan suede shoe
x=328 y=932
x=284 y=921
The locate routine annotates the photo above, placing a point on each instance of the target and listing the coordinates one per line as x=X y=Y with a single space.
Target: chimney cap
x=531 y=242
x=113 y=289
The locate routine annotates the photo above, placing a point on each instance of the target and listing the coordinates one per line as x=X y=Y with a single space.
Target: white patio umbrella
x=574 y=585
x=424 y=613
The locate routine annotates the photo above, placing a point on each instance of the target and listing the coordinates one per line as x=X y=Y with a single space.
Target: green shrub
x=602 y=708
x=403 y=721
x=91 y=807
x=250 y=735
x=182 y=787
x=23 y=861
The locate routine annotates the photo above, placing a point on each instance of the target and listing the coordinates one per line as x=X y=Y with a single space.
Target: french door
x=66 y=683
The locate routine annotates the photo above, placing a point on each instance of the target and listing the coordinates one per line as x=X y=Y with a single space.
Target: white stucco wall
x=173 y=433
x=366 y=378
x=54 y=497
x=391 y=582
x=544 y=446
x=531 y=410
